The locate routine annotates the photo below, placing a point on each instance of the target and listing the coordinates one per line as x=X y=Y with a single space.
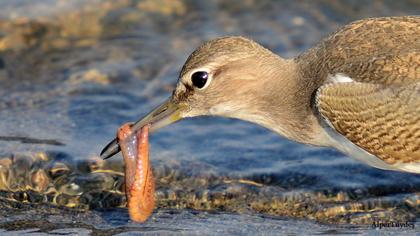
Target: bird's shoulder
x=376 y=50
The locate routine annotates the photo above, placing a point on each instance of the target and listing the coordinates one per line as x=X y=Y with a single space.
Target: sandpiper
x=358 y=91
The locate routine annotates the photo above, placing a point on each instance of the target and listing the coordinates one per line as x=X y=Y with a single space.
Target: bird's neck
x=284 y=100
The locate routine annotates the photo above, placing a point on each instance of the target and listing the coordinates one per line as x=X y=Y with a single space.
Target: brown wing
x=378 y=50
x=384 y=120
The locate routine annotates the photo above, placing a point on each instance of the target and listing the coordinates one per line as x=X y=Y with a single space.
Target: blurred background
x=71 y=72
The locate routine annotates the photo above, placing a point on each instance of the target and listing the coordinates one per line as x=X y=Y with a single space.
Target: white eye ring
x=200 y=78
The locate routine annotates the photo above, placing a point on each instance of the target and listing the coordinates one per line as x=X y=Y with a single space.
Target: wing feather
x=382 y=119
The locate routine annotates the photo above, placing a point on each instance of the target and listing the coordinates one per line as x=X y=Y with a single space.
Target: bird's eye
x=199 y=78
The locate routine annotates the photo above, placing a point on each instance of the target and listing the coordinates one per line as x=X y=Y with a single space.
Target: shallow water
x=71 y=72
x=185 y=222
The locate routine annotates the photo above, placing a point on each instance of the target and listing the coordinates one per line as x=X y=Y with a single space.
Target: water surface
x=71 y=72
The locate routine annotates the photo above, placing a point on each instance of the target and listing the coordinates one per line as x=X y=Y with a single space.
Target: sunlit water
x=71 y=72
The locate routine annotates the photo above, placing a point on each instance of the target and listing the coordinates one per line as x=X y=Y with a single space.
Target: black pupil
x=199 y=79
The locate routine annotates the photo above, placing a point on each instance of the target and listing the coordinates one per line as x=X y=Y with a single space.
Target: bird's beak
x=165 y=114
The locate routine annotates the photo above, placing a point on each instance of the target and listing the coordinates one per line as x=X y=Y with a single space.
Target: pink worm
x=139 y=180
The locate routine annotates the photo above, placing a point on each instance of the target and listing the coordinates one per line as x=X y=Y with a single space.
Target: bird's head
x=220 y=78
x=223 y=77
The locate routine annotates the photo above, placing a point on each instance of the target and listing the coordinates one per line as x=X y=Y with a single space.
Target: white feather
x=340 y=78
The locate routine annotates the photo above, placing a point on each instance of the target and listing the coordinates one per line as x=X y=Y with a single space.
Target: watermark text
x=392 y=224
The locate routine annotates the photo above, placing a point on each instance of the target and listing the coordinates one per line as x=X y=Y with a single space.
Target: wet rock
x=58 y=169
x=165 y=7
x=40 y=181
x=93 y=76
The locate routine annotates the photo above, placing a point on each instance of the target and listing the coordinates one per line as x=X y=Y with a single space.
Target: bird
x=357 y=90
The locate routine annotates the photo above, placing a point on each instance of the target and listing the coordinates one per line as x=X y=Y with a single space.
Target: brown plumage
x=383 y=120
x=378 y=50
x=380 y=111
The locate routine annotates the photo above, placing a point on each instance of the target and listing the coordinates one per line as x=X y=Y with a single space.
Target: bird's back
x=377 y=50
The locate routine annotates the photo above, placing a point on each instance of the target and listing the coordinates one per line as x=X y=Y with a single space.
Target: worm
x=139 y=180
